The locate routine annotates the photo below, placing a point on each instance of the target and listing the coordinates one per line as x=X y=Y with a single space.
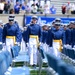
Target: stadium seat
x=62 y=67
x=66 y=52
x=42 y=52
x=21 y=58
x=70 y=70
x=18 y=71
x=3 y=65
x=71 y=53
x=15 y=51
x=6 y=69
x=52 y=61
x=41 y=57
x=17 y=57
x=8 y=57
x=65 y=69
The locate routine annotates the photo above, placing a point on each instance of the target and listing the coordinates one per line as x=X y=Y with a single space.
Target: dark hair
x=11 y=11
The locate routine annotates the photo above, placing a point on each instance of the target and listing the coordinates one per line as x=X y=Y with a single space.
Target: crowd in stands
x=69 y=8
x=35 y=8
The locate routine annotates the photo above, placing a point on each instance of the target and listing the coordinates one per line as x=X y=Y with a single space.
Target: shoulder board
x=16 y=25
x=6 y=24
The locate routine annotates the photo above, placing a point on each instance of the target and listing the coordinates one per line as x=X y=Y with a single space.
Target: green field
x=32 y=72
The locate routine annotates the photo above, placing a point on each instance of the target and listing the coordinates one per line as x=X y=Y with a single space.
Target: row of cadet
x=35 y=35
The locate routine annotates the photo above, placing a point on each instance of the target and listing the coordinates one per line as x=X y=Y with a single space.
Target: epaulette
x=6 y=24
x=16 y=25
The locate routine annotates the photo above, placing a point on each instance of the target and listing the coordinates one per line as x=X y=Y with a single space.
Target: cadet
x=53 y=23
x=11 y=33
x=34 y=34
x=56 y=38
x=24 y=34
x=68 y=33
x=44 y=36
x=49 y=40
x=44 y=33
x=73 y=35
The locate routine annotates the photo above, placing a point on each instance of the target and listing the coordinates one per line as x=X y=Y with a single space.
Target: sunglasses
x=34 y=19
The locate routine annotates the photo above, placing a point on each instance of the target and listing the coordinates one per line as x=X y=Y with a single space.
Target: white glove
x=17 y=43
x=3 y=44
x=67 y=46
x=27 y=44
x=0 y=43
x=50 y=48
x=40 y=44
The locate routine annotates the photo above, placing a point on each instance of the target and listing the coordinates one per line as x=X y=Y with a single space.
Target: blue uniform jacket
x=56 y=35
x=34 y=29
x=12 y=30
x=52 y=28
x=1 y=34
x=68 y=36
x=44 y=36
x=73 y=37
x=49 y=38
x=24 y=34
x=59 y=34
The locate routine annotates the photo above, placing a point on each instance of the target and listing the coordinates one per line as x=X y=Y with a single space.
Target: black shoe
x=34 y=66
